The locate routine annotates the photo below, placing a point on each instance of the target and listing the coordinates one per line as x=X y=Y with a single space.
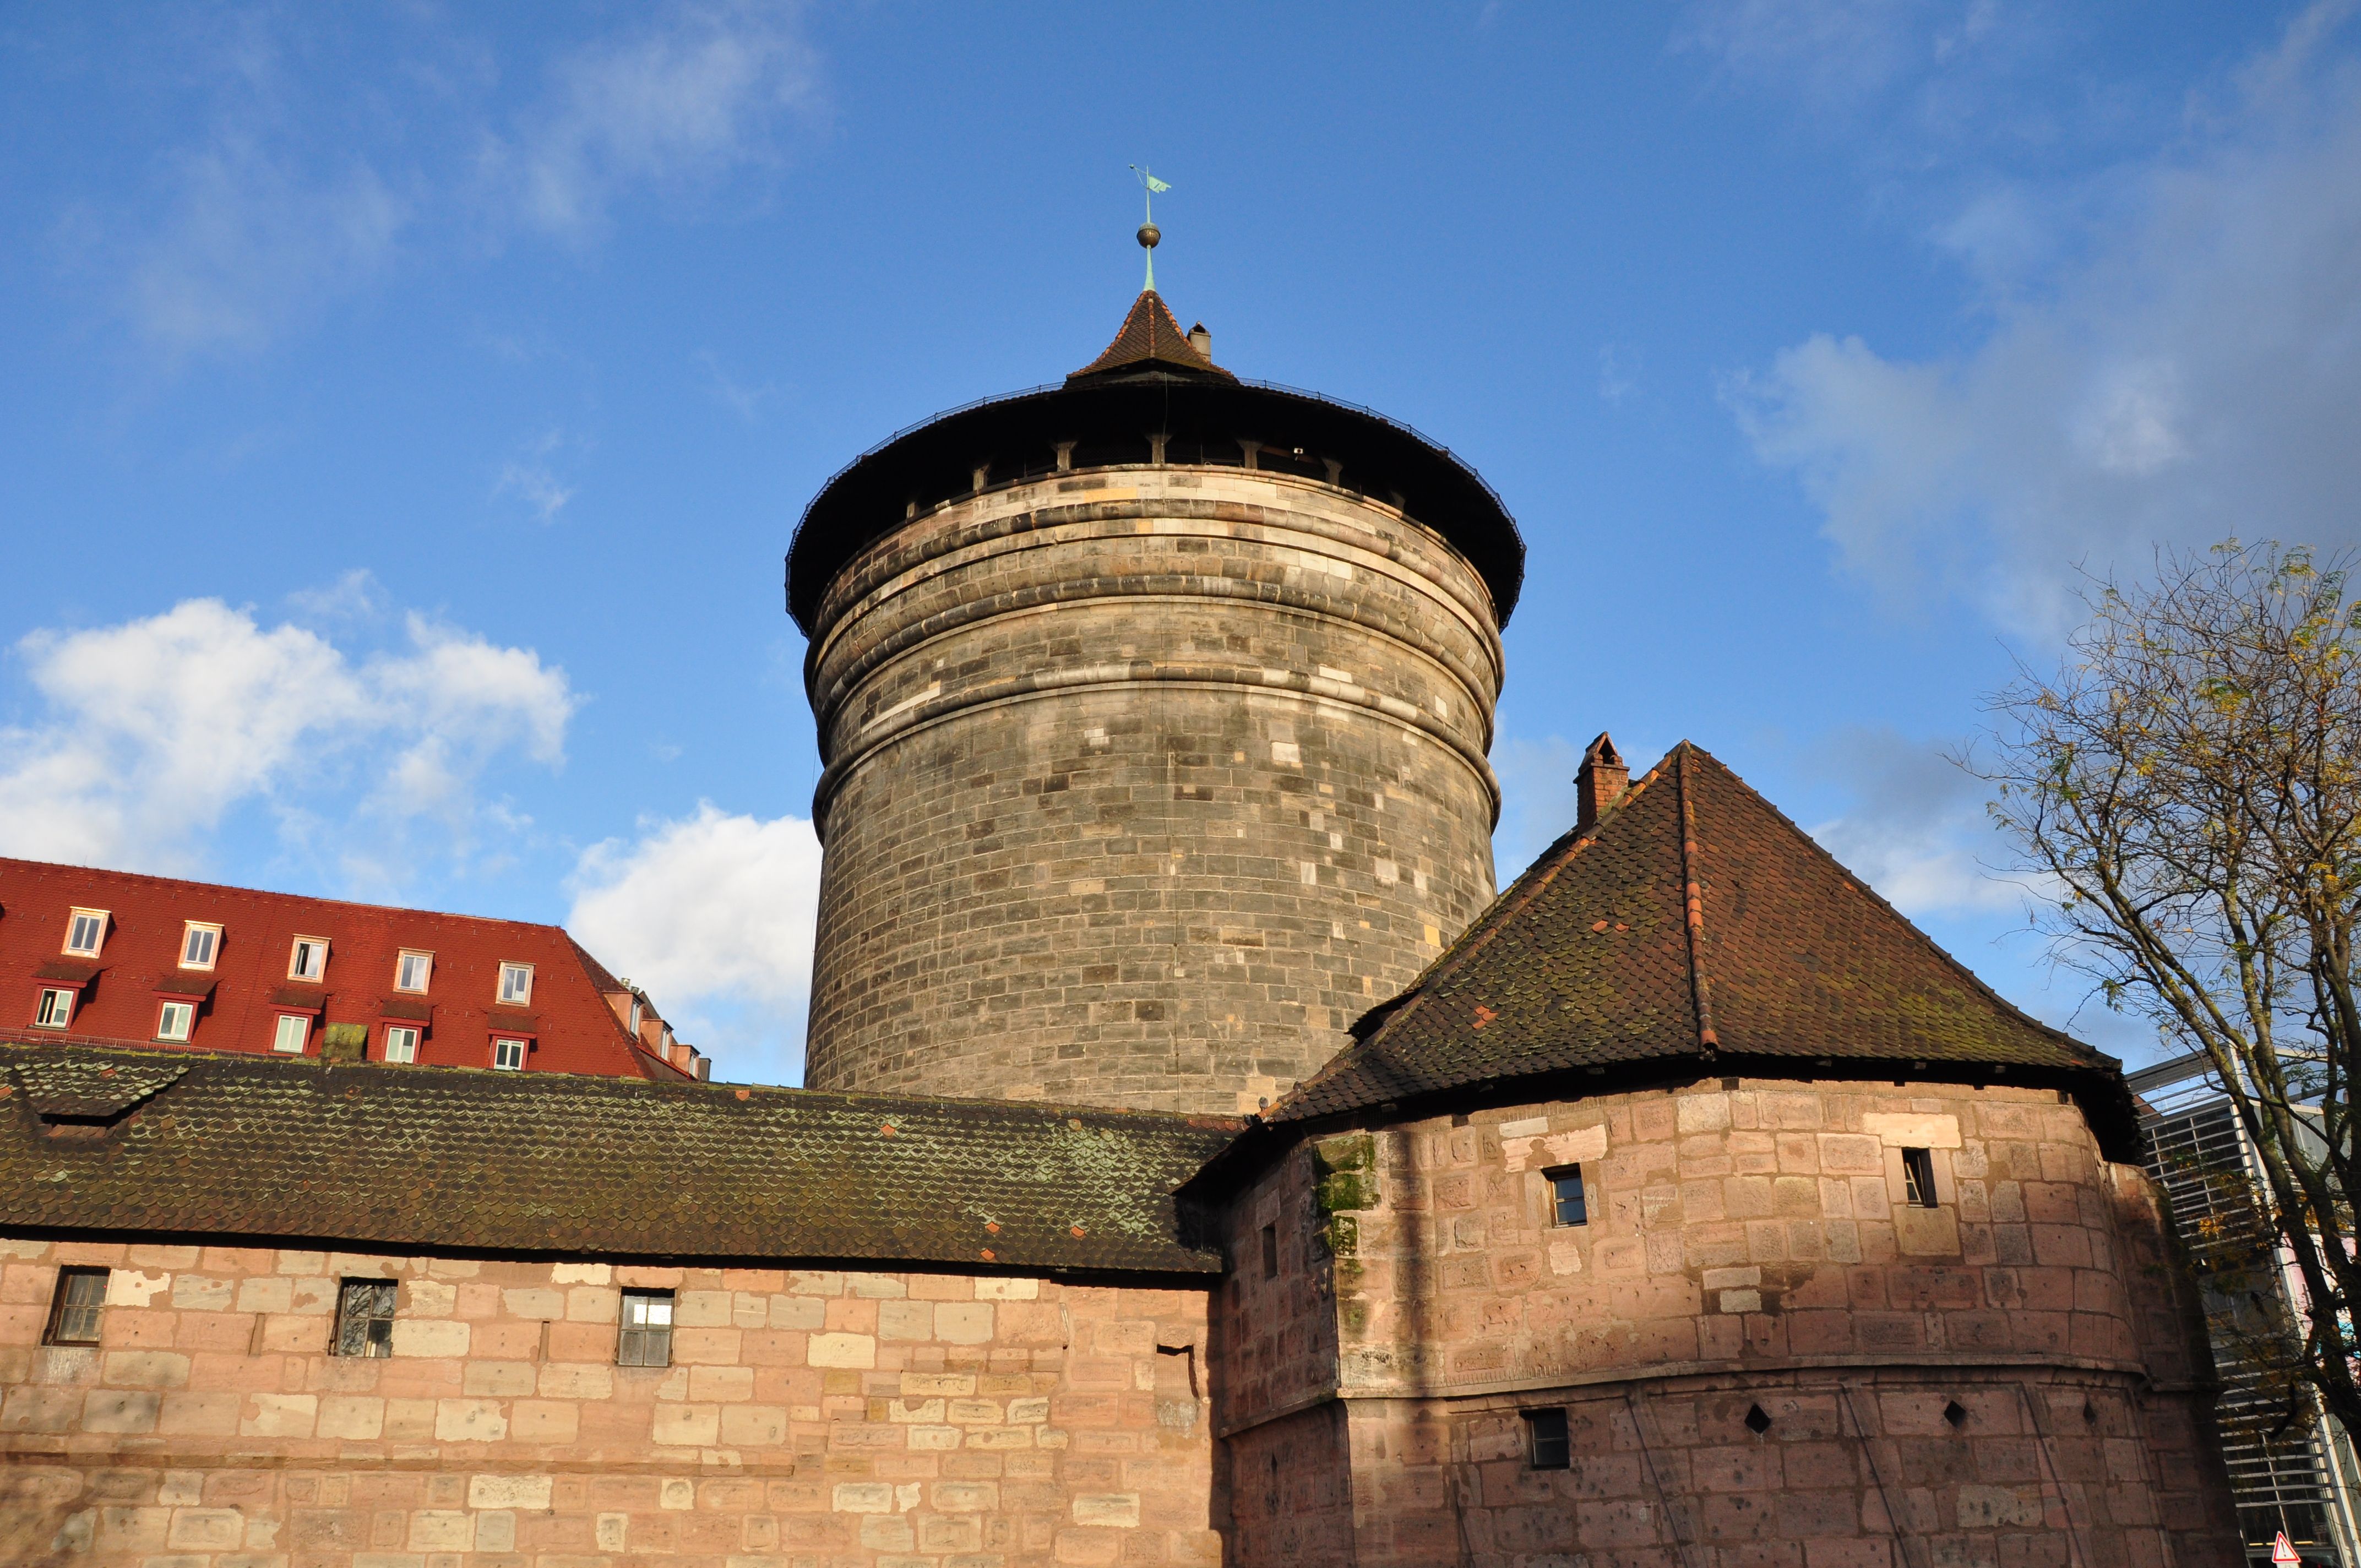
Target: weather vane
x=1150 y=187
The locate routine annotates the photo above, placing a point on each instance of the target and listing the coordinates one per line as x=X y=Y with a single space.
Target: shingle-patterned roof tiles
x=1694 y=919
x=367 y=1155
x=1149 y=333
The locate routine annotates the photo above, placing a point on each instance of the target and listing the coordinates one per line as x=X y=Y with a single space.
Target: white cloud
x=1915 y=829
x=249 y=238
x=1839 y=54
x=713 y=915
x=745 y=401
x=295 y=195
x=678 y=106
x=154 y=730
x=2177 y=367
x=531 y=478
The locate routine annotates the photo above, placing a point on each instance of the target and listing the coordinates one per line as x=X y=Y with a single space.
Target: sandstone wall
x=1142 y=785
x=810 y=1417
x=1748 y=1246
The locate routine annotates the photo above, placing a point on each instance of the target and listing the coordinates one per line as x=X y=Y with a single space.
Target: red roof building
x=114 y=958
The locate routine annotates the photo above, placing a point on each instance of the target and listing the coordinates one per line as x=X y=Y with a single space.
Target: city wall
x=809 y=1416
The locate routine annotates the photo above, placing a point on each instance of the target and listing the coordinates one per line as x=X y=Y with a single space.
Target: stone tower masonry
x=1155 y=710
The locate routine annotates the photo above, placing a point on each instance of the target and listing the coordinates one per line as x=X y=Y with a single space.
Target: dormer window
x=309 y=961
x=200 y=945
x=516 y=985
x=55 y=1010
x=412 y=970
x=175 y=1020
x=86 y=932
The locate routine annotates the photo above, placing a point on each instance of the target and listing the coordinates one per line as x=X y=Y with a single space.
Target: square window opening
x=646 y=1338
x=55 y=1010
x=86 y=932
x=1918 y=1177
x=516 y=985
x=400 y=1042
x=1270 y=1251
x=1567 y=1205
x=1547 y=1446
x=412 y=970
x=292 y=1034
x=174 y=1020
x=509 y=1054
x=365 y=1318
x=76 y=1309
x=309 y=960
x=199 y=944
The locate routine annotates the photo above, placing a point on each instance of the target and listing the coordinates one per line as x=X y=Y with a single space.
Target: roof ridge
x=1859 y=885
x=1530 y=884
x=1693 y=904
x=7 y=860
x=494 y=1081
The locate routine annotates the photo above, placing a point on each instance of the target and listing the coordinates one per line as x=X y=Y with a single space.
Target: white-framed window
x=400 y=1042
x=508 y=1054
x=294 y=1030
x=412 y=970
x=638 y=1010
x=199 y=944
x=86 y=932
x=516 y=983
x=56 y=1009
x=175 y=1019
x=645 y=1339
x=309 y=959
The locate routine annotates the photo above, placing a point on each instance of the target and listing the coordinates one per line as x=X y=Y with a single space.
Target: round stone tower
x=1154 y=709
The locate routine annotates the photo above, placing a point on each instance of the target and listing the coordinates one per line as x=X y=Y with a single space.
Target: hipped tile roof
x=367 y=1155
x=1692 y=920
x=1150 y=337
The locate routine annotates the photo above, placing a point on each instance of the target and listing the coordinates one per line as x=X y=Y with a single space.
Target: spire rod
x=1149 y=185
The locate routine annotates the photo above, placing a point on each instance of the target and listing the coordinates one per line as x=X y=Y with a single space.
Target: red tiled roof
x=1149 y=335
x=121 y=990
x=1692 y=920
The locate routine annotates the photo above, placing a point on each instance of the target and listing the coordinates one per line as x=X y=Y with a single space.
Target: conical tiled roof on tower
x=1151 y=337
x=1693 y=920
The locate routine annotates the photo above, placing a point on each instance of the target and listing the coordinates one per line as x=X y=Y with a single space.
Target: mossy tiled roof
x=1692 y=920
x=459 y=1160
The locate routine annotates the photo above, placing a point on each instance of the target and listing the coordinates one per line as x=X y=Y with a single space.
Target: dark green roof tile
x=140 y=1142
x=1592 y=959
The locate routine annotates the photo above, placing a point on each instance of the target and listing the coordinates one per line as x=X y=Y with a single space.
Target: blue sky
x=404 y=411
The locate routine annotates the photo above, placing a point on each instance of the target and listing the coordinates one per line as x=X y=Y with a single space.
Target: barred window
x=75 y=1310
x=365 y=1318
x=647 y=1329
x=1547 y=1447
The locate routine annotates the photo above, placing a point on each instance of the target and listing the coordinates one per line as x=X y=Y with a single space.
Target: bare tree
x=2186 y=793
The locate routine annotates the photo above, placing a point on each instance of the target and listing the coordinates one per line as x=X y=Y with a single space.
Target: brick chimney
x=1600 y=783
x=1202 y=341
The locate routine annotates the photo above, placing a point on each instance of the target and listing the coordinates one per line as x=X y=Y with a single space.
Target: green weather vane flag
x=1150 y=188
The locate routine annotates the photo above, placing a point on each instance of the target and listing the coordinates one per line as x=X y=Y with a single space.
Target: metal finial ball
x=1148 y=234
